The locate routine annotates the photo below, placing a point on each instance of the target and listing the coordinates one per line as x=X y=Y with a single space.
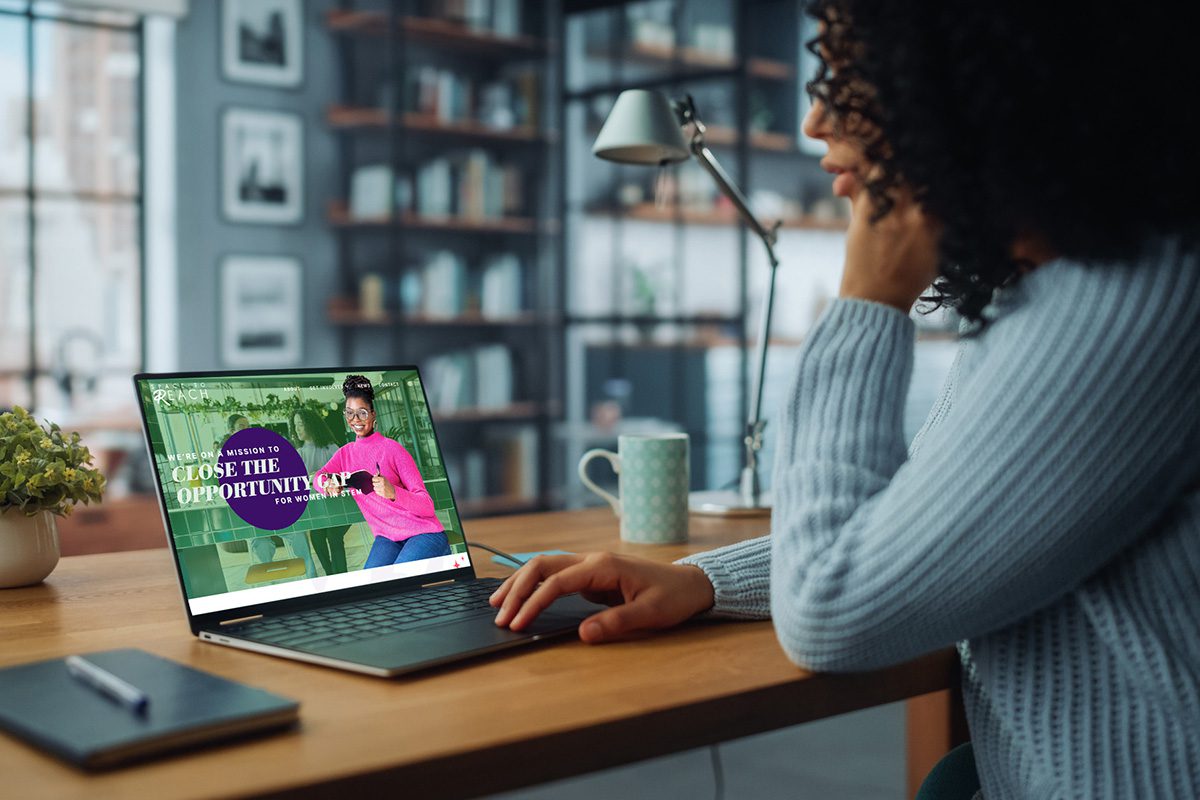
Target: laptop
x=311 y=517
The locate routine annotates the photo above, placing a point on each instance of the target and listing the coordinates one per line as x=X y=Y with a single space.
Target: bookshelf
x=696 y=58
x=339 y=216
x=719 y=217
x=349 y=118
x=445 y=33
x=677 y=308
x=446 y=224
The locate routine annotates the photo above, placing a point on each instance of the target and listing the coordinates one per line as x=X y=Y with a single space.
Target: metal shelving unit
x=381 y=45
x=753 y=124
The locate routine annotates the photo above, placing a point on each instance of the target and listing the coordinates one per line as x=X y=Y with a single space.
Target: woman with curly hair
x=1033 y=166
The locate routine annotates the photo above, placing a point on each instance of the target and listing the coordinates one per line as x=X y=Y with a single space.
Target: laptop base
x=412 y=651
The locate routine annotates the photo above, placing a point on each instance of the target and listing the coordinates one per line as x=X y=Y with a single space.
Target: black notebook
x=42 y=704
x=361 y=480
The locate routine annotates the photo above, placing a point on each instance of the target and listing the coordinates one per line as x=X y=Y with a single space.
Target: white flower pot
x=28 y=548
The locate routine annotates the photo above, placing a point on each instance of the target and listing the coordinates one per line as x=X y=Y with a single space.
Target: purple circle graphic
x=262 y=478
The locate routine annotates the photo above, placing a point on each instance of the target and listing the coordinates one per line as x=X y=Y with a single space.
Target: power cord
x=714 y=752
x=506 y=556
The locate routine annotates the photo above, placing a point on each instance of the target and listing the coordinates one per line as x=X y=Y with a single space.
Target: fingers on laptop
x=600 y=577
x=517 y=588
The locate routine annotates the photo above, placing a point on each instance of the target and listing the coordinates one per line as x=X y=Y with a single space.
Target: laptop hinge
x=240 y=619
x=437 y=583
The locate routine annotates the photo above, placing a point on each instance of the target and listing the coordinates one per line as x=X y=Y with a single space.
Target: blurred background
x=282 y=183
x=275 y=183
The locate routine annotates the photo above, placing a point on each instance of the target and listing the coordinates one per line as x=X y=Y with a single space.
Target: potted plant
x=44 y=472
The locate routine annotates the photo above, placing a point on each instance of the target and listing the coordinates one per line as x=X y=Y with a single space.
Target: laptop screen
x=281 y=486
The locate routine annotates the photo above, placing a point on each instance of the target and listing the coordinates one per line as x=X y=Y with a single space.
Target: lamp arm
x=750 y=485
x=727 y=187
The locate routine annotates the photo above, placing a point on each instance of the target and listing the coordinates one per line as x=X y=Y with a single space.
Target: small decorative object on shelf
x=44 y=472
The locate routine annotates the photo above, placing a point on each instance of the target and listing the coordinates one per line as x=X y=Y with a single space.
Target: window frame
x=34 y=369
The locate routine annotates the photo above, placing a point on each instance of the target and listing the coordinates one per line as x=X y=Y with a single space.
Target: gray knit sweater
x=1046 y=519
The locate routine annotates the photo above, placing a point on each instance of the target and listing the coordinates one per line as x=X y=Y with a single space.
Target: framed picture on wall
x=262 y=155
x=261 y=299
x=262 y=42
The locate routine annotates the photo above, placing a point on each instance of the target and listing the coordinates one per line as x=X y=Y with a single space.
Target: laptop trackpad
x=428 y=646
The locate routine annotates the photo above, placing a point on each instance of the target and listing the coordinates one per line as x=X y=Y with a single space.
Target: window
x=71 y=262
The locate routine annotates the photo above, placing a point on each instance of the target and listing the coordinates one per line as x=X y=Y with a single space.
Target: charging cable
x=516 y=562
x=714 y=752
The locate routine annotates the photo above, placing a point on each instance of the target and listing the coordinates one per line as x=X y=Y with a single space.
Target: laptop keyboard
x=367 y=619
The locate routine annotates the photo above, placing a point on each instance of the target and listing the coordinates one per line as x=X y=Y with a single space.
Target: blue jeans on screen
x=423 y=545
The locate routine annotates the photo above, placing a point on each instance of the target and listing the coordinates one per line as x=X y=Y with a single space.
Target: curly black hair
x=1069 y=124
x=359 y=386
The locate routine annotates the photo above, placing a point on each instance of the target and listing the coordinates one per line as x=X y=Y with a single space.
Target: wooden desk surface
x=529 y=716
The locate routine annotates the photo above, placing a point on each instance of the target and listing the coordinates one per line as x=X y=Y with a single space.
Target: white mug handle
x=613 y=459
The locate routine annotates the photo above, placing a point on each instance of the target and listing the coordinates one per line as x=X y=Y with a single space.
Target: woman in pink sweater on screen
x=395 y=503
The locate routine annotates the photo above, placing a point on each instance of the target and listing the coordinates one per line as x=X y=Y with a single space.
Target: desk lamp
x=645 y=128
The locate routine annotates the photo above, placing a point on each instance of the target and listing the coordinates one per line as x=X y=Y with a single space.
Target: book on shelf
x=513 y=460
x=477 y=14
x=500 y=286
x=513 y=191
x=377 y=192
x=527 y=93
x=475 y=470
x=450 y=381
x=501 y=17
x=435 y=188
x=479 y=377
x=486 y=188
x=505 y=100
x=714 y=39
x=371 y=297
x=506 y=17
x=372 y=191
x=493 y=376
x=442 y=94
x=471 y=185
x=468 y=473
x=444 y=285
x=504 y=465
x=650 y=25
x=454 y=100
x=497 y=105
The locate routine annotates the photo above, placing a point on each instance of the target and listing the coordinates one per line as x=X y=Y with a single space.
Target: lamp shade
x=641 y=129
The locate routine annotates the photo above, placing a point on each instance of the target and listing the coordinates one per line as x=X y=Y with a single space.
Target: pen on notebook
x=107 y=684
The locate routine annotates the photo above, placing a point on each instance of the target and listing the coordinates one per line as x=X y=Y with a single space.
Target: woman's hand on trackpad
x=644 y=595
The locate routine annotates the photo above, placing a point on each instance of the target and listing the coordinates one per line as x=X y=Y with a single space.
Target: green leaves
x=43 y=468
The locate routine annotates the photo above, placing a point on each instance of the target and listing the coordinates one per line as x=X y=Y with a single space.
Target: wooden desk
x=540 y=714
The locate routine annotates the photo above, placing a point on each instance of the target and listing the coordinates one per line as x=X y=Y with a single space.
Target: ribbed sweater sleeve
x=411 y=493
x=1073 y=433
x=740 y=575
